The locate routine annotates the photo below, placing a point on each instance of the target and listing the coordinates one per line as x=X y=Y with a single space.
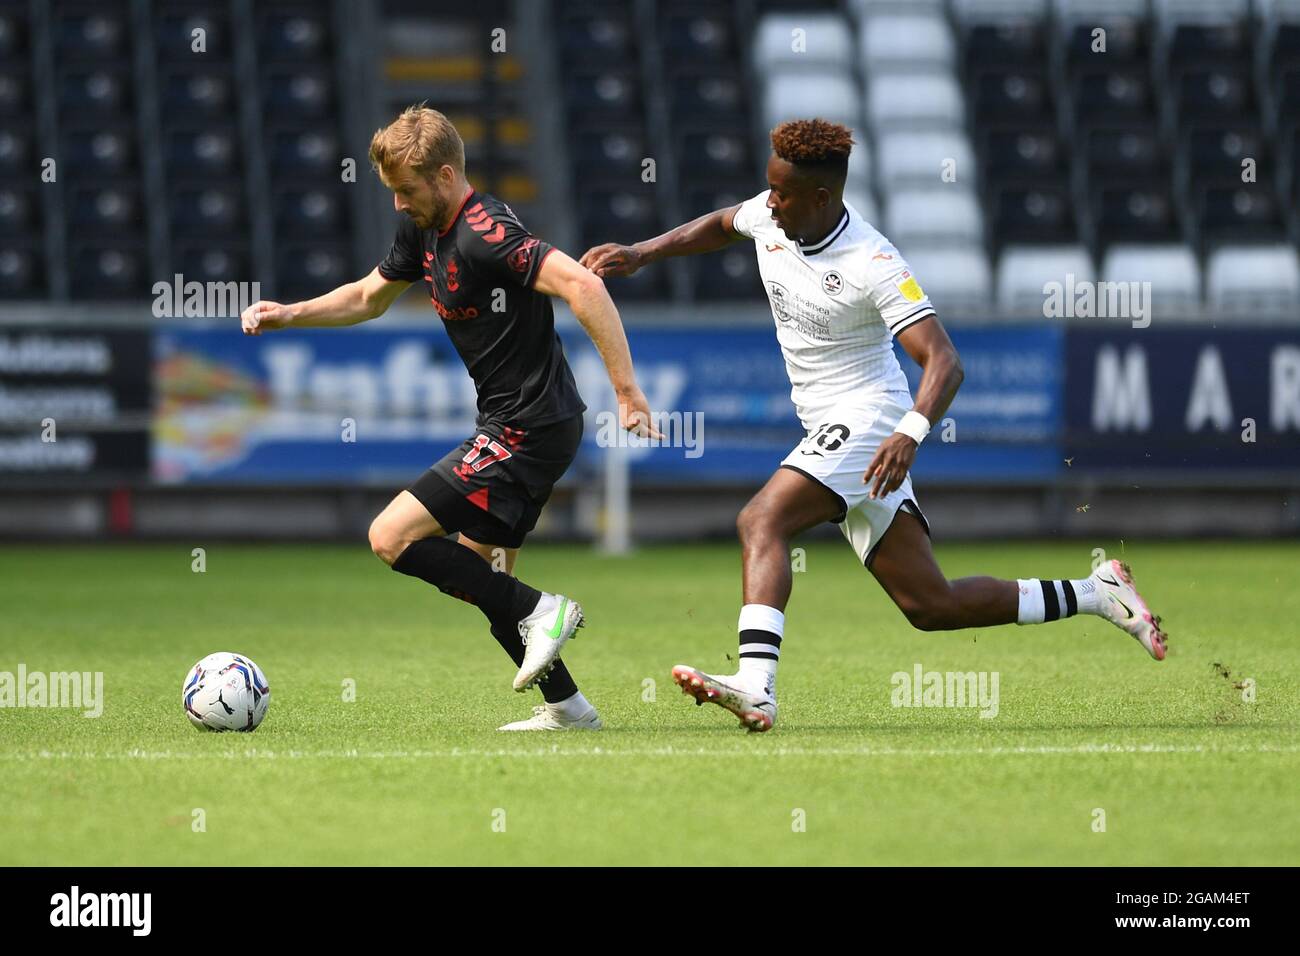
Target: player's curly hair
x=815 y=146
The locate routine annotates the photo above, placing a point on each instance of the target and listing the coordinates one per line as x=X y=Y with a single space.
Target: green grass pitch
x=1185 y=768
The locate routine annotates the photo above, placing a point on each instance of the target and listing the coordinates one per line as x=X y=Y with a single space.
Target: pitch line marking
x=669 y=751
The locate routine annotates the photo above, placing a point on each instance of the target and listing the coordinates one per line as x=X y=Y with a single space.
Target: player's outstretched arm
x=941 y=375
x=705 y=234
x=359 y=301
x=585 y=293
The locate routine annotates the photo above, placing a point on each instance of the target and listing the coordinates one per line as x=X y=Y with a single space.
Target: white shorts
x=836 y=454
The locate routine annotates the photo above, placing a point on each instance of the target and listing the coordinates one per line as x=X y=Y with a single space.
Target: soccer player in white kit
x=840 y=293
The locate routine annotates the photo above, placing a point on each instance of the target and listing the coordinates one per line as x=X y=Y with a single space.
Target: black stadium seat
x=208 y=151
x=108 y=209
x=1010 y=94
x=1135 y=212
x=108 y=269
x=1034 y=214
x=21 y=270
x=20 y=211
x=207 y=210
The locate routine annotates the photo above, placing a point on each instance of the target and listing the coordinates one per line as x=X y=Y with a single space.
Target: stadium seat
x=910 y=100
x=211 y=151
x=1024 y=154
x=207 y=261
x=310 y=151
x=825 y=42
x=608 y=154
x=174 y=32
x=693 y=35
x=312 y=212
x=612 y=93
x=108 y=269
x=21 y=270
x=1238 y=212
x=859 y=177
x=15 y=92
x=20 y=211
x=1039 y=213
x=968 y=12
x=1001 y=94
x=298 y=93
x=706 y=93
x=729 y=274
x=714 y=152
x=101 y=91
x=300 y=34
x=914 y=39
x=1247 y=281
x=111 y=210
x=190 y=93
x=943 y=213
x=207 y=210
x=1172 y=271
x=864 y=202
x=831 y=95
x=15 y=151
x=1025 y=271
x=90 y=34
x=921 y=158
x=308 y=269
x=101 y=151
x=1134 y=210
x=956 y=278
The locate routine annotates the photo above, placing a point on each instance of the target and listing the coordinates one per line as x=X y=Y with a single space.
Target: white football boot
x=544 y=633
x=1118 y=601
x=755 y=706
x=544 y=718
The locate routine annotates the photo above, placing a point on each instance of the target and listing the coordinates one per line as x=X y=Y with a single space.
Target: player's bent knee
x=385 y=542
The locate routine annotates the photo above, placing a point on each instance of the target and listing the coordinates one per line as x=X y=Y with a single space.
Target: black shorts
x=494 y=485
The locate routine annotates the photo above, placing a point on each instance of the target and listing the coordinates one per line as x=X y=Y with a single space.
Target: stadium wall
x=116 y=425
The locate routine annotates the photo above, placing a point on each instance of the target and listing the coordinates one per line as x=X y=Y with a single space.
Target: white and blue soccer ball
x=226 y=691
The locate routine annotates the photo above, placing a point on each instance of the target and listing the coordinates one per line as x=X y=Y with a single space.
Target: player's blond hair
x=421 y=139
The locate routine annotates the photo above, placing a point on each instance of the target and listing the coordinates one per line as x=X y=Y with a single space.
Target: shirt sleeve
x=896 y=293
x=403 y=262
x=752 y=213
x=499 y=248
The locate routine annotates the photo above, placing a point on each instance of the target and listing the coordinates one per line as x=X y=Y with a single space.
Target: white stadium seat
x=1070 y=12
x=1246 y=281
x=859 y=163
x=957 y=278
x=803 y=94
x=1025 y=271
x=1171 y=269
x=906 y=39
x=946 y=212
x=863 y=8
x=920 y=158
x=908 y=99
x=826 y=41
x=864 y=203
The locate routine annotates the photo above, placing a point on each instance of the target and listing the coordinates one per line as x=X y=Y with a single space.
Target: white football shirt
x=838 y=305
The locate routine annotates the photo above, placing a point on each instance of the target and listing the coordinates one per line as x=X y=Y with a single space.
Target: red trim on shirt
x=443 y=232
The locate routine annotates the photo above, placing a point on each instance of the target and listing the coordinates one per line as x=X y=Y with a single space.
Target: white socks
x=571 y=707
x=1045 y=599
x=761 y=628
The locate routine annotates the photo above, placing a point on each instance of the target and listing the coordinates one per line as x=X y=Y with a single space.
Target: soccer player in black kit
x=491 y=281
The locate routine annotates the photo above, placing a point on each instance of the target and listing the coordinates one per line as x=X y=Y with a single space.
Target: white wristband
x=914 y=425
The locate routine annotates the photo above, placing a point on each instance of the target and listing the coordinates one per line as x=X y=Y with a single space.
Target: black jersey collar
x=831 y=236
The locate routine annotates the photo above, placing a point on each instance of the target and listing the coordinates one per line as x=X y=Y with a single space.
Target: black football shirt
x=487 y=259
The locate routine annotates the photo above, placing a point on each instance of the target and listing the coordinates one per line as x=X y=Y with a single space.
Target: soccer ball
x=226 y=691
